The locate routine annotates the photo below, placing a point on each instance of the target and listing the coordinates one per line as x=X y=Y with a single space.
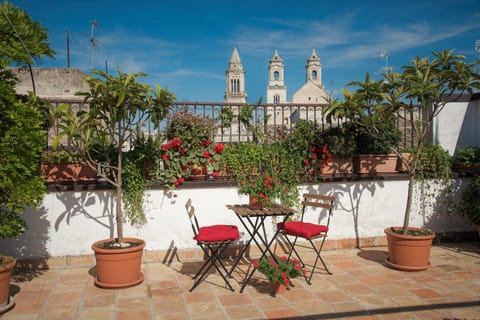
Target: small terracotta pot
x=277 y=288
x=407 y=252
x=254 y=204
x=118 y=268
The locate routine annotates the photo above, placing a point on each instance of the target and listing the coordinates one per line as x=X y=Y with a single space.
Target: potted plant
x=280 y=273
x=433 y=83
x=118 y=106
x=267 y=173
x=341 y=147
x=374 y=141
x=189 y=153
x=466 y=159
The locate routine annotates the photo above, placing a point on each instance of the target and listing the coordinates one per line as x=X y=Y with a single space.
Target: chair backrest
x=192 y=216
x=318 y=201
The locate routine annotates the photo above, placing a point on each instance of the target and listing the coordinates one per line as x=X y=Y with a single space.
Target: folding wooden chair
x=213 y=240
x=307 y=230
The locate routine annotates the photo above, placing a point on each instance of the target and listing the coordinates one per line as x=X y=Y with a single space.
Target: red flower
x=284 y=275
x=206 y=154
x=218 y=148
x=261 y=195
x=286 y=281
x=206 y=143
x=271 y=262
x=215 y=174
x=255 y=264
x=166 y=156
x=176 y=142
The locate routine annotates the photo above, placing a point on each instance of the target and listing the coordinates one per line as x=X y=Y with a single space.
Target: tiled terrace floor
x=361 y=287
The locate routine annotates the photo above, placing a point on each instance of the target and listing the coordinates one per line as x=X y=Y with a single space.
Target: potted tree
x=118 y=106
x=433 y=83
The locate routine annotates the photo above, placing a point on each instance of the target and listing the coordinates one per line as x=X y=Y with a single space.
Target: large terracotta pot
x=373 y=164
x=5 y=274
x=68 y=172
x=338 y=167
x=408 y=252
x=119 y=268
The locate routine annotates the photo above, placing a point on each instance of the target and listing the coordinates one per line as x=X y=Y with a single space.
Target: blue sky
x=185 y=45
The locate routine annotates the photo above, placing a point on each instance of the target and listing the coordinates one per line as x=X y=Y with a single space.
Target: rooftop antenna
x=384 y=55
x=93 y=25
x=477 y=48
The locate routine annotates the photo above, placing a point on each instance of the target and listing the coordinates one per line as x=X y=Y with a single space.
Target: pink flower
x=284 y=275
x=286 y=281
x=255 y=264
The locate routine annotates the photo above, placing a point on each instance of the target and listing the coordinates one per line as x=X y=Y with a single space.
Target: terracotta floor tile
x=235 y=299
x=282 y=313
x=425 y=293
x=133 y=314
x=243 y=312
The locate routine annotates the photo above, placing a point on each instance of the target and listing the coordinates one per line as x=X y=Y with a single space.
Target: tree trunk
x=118 y=209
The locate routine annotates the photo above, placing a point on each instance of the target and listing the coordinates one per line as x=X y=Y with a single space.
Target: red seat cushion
x=302 y=229
x=218 y=232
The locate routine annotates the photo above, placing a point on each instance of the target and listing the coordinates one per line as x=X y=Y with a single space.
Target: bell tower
x=276 y=89
x=314 y=69
x=235 y=78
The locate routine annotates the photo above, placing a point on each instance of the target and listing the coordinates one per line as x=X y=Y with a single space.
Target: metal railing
x=272 y=121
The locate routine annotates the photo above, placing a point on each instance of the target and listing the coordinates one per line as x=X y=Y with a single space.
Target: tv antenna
x=93 y=43
x=384 y=55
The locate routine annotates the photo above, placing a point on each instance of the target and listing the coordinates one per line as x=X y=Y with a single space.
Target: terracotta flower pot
x=119 y=268
x=373 y=164
x=277 y=288
x=5 y=274
x=408 y=252
x=254 y=204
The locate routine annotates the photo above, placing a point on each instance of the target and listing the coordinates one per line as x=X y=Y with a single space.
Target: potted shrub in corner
x=466 y=159
x=433 y=83
x=118 y=106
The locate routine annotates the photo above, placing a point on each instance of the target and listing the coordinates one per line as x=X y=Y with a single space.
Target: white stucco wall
x=69 y=222
x=457 y=126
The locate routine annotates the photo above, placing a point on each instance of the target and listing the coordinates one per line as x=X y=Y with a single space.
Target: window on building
x=276 y=98
x=276 y=75
x=314 y=74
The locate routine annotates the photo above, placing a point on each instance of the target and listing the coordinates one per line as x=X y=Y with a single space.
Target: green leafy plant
x=268 y=169
x=22 y=134
x=467 y=154
x=469 y=205
x=338 y=140
x=279 y=272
